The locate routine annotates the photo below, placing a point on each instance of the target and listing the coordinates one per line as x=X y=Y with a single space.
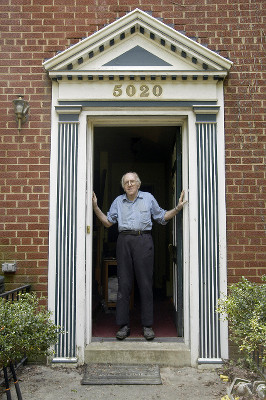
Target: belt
x=136 y=233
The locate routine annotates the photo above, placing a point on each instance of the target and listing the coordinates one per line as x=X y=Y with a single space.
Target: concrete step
x=166 y=353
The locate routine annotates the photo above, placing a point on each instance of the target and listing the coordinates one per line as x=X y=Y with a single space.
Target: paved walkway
x=55 y=383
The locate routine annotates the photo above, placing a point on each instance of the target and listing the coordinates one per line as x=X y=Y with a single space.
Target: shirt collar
x=139 y=195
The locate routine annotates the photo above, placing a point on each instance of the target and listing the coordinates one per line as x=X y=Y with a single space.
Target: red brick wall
x=31 y=33
x=245 y=143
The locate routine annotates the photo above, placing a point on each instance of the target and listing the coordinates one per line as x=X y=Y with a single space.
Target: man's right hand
x=94 y=200
x=102 y=217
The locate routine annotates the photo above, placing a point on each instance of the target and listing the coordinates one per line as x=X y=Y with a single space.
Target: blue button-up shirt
x=136 y=215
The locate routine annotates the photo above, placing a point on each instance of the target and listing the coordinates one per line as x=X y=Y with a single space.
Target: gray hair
x=136 y=177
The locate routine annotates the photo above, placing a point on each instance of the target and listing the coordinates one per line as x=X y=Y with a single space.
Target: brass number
x=130 y=90
x=157 y=90
x=117 y=90
x=144 y=91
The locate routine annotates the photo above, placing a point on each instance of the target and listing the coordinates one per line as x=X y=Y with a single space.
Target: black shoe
x=123 y=332
x=148 y=333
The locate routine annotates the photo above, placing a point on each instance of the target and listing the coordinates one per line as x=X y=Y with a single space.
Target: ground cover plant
x=245 y=309
x=26 y=329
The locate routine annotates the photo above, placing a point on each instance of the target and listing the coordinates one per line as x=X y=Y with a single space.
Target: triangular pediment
x=137 y=57
x=140 y=44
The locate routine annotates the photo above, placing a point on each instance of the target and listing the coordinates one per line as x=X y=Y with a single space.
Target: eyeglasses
x=127 y=183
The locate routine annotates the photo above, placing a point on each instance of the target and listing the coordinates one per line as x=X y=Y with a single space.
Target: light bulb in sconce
x=21 y=108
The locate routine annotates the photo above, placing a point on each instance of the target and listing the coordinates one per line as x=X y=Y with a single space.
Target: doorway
x=151 y=152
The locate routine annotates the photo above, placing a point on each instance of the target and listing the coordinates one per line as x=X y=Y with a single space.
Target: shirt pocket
x=145 y=216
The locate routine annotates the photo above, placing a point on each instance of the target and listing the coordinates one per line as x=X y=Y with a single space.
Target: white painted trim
x=81 y=250
x=67 y=56
x=64 y=360
x=222 y=214
x=135 y=118
x=139 y=116
x=193 y=240
x=89 y=119
x=52 y=200
x=89 y=222
x=186 y=254
x=210 y=361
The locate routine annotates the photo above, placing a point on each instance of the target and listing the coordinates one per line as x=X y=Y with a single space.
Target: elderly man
x=134 y=211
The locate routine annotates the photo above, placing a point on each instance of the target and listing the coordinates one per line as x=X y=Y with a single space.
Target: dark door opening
x=150 y=151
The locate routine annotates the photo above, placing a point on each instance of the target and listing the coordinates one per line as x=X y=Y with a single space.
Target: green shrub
x=245 y=309
x=25 y=329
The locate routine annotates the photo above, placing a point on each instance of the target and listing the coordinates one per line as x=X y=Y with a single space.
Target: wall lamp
x=21 y=108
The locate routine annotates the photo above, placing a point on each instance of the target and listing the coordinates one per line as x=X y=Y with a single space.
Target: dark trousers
x=135 y=255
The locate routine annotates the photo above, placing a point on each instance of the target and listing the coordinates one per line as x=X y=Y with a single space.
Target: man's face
x=131 y=186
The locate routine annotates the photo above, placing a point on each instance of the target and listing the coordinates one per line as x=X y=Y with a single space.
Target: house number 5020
x=142 y=91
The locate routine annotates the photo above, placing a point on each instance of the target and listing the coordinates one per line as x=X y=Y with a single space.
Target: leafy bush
x=245 y=309
x=25 y=329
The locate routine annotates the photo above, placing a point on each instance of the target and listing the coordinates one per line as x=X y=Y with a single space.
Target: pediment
x=137 y=44
x=137 y=57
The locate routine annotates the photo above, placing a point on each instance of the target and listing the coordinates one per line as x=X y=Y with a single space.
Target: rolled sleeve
x=157 y=212
x=112 y=214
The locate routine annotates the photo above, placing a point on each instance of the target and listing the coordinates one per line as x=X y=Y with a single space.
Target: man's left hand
x=181 y=201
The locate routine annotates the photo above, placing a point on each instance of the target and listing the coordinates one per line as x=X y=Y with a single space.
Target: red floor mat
x=104 y=324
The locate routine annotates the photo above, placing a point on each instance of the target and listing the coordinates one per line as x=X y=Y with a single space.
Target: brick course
x=31 y=33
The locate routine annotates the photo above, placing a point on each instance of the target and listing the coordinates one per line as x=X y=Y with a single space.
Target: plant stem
x=7 y=390
x=16 y=381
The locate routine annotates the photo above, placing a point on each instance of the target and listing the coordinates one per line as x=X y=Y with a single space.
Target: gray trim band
x=68 y=117
x=114 y=103
x=206 y=118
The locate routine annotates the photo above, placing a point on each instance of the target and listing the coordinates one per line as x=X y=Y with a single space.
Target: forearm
x=171 y=213
x=102 y=217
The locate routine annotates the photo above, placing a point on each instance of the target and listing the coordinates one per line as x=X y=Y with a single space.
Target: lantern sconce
x=21 y=108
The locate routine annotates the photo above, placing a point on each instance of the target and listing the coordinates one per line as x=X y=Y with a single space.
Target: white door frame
x=88 y=120
x=133 y=118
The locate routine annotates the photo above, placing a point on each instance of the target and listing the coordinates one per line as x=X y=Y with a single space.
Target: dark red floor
x=104 y=324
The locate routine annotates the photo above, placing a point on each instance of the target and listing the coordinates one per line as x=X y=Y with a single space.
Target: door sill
x=132 y=339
